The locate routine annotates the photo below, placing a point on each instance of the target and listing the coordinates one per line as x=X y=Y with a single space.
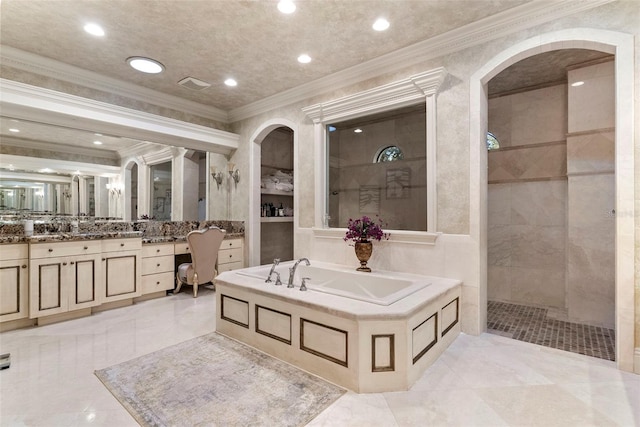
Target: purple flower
x=365 y=229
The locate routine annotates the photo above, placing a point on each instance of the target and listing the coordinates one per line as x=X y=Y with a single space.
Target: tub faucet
x=292 y=271
x=303 y=287
x=273 y=268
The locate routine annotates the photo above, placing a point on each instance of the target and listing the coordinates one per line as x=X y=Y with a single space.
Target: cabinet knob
x=157 y=250
x=104 y=259
x=157 y=265
x=64 y=263
x=50 y=250
x=72 y=263
x=230 y=256
x=157 y=283
x=86 y=247
x=121 y=244
x=24 y=266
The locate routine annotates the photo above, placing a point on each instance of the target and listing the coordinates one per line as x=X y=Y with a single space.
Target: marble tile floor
x=534 y=325
x=486 y=380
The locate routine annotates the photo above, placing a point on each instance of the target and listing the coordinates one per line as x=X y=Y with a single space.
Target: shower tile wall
x=590 y=166
x=527 y=198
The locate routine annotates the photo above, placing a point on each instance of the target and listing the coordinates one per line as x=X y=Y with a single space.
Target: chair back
x=204 y=245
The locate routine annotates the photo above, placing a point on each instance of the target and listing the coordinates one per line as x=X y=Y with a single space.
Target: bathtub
x=375 y=288
x=367 y=332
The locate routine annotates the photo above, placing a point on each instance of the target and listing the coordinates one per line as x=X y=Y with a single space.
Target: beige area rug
x=215 y=381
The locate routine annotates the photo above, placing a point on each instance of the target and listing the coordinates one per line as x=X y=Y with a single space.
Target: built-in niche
x=276 y=188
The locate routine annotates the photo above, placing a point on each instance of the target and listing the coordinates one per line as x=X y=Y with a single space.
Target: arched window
x=389 y=154
x=492 y=142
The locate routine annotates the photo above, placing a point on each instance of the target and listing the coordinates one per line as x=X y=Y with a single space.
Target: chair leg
x=179 y=285
x=195 y=285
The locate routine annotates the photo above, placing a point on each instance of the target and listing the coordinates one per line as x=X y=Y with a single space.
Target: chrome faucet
x=303 y=287
x=273 y=268
x=292 y=271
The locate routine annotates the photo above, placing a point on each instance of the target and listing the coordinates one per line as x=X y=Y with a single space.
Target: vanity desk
x=47 y=278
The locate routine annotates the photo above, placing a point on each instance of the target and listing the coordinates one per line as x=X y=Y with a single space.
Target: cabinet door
x=48 y=295
x=86 y=282
x=121 y=275
x=14 y=303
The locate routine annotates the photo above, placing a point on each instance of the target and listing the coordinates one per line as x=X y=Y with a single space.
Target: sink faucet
x=292 y=271
x=273 y=268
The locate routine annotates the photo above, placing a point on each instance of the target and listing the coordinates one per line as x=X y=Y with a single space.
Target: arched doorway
x=621 y=45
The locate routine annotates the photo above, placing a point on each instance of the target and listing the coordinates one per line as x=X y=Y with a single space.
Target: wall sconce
x=233 y=172
x=114 y=190
x=217 y=176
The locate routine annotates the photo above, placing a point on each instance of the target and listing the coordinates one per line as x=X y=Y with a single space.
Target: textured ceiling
x=212 y=40
x=248 y=40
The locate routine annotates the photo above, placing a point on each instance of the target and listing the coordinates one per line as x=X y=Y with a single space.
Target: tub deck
x=359 y=345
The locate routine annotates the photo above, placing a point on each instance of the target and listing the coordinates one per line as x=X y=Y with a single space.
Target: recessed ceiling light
x=146 y=65
x=231 y=82
x=97 y=142
x=97 y=134
x=45 y=170
x=94 y=29
x=358 y=130
x=580 y=83
x=14 y=130
x=304 y=58
x=286 y=6
x=381 y=24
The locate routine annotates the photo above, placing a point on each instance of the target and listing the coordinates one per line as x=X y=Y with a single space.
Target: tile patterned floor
x=531 y=324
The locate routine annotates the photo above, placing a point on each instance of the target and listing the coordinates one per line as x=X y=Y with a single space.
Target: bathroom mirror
x=377 y=167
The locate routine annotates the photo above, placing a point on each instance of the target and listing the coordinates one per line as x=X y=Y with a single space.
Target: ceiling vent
x=193 y=83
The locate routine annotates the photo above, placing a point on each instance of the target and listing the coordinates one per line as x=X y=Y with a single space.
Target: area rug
x=215 y=381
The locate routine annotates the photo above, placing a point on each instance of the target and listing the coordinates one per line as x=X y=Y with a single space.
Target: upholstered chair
x=204 y=245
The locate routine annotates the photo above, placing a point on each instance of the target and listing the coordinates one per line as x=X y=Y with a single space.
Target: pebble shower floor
x=531 y=324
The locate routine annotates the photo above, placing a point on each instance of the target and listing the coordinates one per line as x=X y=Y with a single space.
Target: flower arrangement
x=365 y=229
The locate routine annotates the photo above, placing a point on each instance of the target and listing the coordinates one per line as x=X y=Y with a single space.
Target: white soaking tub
x=368 y=332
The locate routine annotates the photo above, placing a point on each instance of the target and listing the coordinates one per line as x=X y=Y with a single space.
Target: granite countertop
x=73 y=237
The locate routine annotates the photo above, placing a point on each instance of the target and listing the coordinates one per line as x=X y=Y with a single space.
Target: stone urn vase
x=363 y=252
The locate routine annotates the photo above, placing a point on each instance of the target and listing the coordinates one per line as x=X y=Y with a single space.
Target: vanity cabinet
x=14 y=303
x=121 y=268
x=157 y=268
x=64 y=276
x=230 y=255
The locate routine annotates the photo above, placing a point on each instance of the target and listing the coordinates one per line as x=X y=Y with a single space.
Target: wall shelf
x=276 y=192
x=276 y=219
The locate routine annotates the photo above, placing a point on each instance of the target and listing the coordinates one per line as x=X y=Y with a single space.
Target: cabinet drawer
x=231 y=244
x=14 y=251
x=157 y=282
x=50 y=250
x=229 y=255
x=157 y=250
x=117 y=245
x=159 y=264
x=229 y=266
x=181 y=248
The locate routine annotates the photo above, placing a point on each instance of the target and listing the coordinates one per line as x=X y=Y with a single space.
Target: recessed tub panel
x=234 y=310
x=273 y=323
x=450 y=314
x=424 y=337
x=324 y=341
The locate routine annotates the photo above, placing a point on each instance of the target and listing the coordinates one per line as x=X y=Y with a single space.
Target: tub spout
x=273 y=268
x=292 y=271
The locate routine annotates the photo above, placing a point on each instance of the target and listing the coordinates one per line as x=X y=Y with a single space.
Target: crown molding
x=500 y=25
x=34 y=103
x=37 y=64
x=393 y=95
